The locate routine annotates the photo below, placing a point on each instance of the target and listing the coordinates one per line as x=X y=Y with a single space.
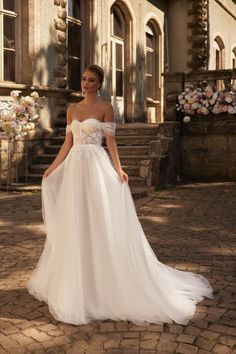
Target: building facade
x=47 y=44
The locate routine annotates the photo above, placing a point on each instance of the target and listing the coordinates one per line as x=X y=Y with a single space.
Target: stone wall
x=164 y=156
x=208 y=150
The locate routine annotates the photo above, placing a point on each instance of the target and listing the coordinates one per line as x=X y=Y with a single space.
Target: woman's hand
x=123 y=176
x=47 y=171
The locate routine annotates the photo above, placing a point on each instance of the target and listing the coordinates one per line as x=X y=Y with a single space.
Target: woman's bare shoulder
x=70 y=110
x=108 y=111
x=70 y=107
x=107 y=106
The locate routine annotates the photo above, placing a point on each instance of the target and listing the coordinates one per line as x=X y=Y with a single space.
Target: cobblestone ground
x=190 y=227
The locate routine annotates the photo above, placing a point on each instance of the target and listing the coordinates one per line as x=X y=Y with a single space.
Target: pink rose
x=15 y=93
x=225 y=108
x=186 y=106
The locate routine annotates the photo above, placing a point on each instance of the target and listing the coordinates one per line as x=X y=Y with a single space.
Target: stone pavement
x=191 y=227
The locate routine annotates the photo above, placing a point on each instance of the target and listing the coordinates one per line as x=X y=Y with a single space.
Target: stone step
x=131 y=170
x=121 y=140
x=133 y=145
x=138 y=129
x=123 y=150
x=125 y=159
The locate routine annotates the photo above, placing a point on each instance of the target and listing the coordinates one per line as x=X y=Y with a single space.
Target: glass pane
x=218 y=60
x=74 y=40
x=149 y=86
x=119 y=83
x=111 y=62
x=119 y=57
x=9 y=65
x=9 y=5
x=74 y=8
x=234 y=63
x=117 y=25
x=149 y=41
x=74 y=74
x=9 y=32
x=149 y=67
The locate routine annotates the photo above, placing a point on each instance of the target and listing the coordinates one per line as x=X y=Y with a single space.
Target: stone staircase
x=133 y=145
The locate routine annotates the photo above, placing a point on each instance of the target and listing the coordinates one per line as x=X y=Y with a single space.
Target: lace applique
x=109 y=128
x=90 y=131
x=68 y=128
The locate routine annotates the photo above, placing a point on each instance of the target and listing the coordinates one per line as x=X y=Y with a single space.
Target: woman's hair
x=97 y=70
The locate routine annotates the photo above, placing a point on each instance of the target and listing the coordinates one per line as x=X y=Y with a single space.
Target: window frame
x=13 y=14
x=114 y=41
x=77 y=22
x=149 y=29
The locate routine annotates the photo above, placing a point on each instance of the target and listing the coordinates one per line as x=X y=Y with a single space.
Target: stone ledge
x=217 y=125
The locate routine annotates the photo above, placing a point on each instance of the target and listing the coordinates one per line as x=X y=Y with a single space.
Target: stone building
x=46 y=44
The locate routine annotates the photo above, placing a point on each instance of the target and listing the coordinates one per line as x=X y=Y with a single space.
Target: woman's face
x=89 y=82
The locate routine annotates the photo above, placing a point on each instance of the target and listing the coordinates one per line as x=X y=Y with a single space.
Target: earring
x=98 y=92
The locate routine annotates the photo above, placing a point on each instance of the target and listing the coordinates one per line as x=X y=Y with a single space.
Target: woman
x=97 y=263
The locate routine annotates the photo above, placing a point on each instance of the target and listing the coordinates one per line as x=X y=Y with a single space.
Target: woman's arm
x=65 y=148
x=112 y=146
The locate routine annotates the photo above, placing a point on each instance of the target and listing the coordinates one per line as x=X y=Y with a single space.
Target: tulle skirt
x=97 y=263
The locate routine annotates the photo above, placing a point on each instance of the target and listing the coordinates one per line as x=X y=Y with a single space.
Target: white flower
x=7 y=126
x=216 y=109
x=7 y=118
x=208 y=88
x=194 y=106
x=228 y=99
x=32 y=125
x=18 y=129
x=27 y=127
x=215 y=95
x=231 y=110
x=34 y=95
x=186 y=119
x=35 y=116
x=205 y=111
x=15 y=93
x=25 y=101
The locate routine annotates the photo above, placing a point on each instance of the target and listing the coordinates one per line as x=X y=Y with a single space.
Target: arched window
x=219 y=53
x=234 y=62
x=117 y=50
x=8 y=22
x=150 y=61
x=234 y=58
x=74 y=44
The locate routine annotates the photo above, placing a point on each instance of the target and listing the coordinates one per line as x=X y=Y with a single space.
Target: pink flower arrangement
x=203 y=101
x=17 y=116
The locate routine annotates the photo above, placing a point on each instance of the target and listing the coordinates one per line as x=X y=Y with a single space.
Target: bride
x=97 y=263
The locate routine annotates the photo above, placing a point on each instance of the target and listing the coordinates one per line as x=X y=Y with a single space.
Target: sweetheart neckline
x=98 y=120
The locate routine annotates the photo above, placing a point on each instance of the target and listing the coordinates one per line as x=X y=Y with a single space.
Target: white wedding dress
x=97 y=263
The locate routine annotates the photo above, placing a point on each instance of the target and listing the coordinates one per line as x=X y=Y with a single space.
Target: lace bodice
x=90 y=131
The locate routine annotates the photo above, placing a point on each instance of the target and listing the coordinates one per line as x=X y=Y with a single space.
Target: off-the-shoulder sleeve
x=109 y=128
x=68 y=128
